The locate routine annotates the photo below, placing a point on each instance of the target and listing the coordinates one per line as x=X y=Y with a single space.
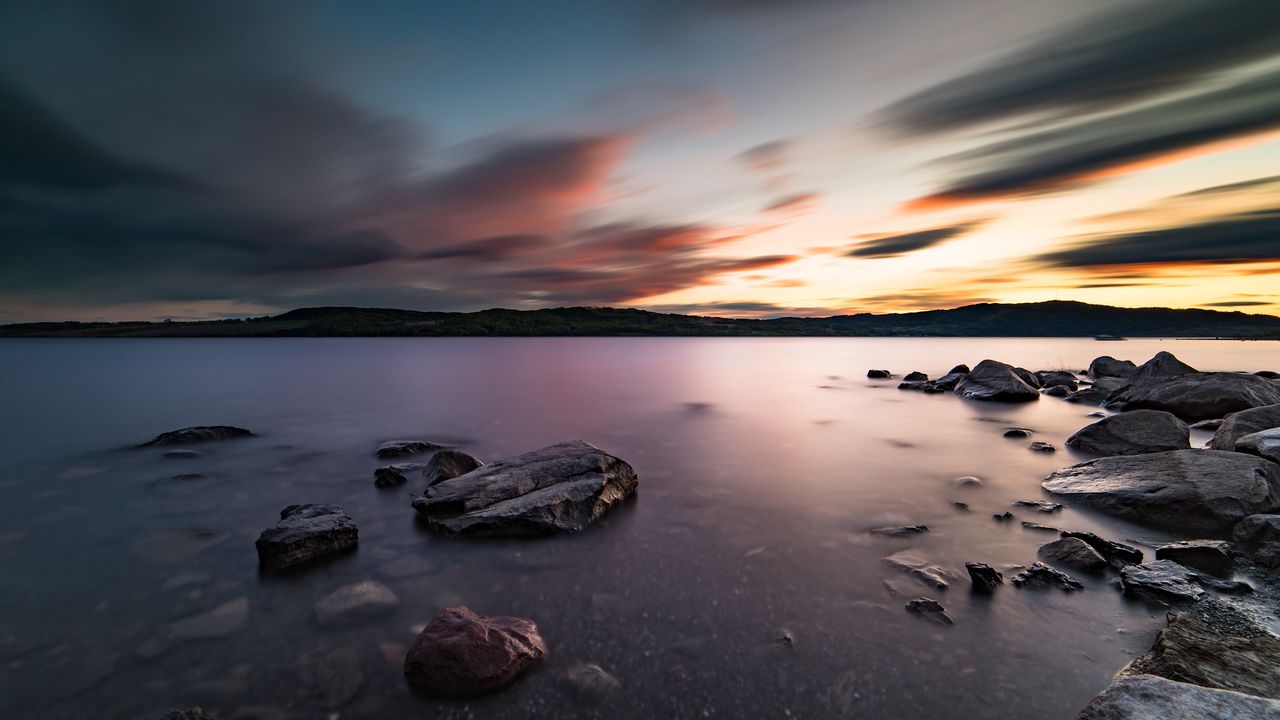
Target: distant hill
x=1045 y=319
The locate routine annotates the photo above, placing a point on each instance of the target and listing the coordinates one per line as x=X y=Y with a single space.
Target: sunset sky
x=730 y=157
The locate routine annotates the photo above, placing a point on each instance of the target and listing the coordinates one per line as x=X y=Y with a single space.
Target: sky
x=749 y=158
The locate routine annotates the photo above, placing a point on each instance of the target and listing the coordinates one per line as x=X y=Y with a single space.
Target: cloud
x=1237 y=303
x=491 y=249
x=919 y=299
x=904 y=243
x=769 y=157
x=797 y=203
x=1234 y=187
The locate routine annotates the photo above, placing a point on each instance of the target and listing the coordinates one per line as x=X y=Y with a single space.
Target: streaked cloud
x=887 y=246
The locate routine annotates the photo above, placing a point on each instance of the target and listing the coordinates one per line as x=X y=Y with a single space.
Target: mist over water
x=762 y=464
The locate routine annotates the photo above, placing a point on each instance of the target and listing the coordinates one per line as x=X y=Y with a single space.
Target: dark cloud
x=1247 y=237
x=1138 y=50
x=905 y=243
x=1237 y=303
x=920 y=299
x=492 y=249
x=1234 y=187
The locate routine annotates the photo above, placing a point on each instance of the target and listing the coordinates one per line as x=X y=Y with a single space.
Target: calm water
x=762 y=464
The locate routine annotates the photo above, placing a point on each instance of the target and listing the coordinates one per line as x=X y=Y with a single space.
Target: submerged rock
x=1058 y=391
x=900 y=531
x=182 y=454
x=1214 y=654
x=306 y=533
x=225 y=619
x=1107 y=366
x=355 y=603
x=1040 y=575
x=1246 y=422
x=461 y=654
x=449 y=464
x=589 y=682
x=559 y=488
x=1258 y=537
x=1041 y=446
x=1197 y=396
x=1117 y=554
x=404 y=448
x=997 y=382
x=1200 y=491
x=984 y=577
x=1038 y=526
x=1133 y=433
x=197 y=434
x=1211 y=556
x=328 y=679
x=1073 y=553
x=1005 y=516
x=919 y=568
x=1147 y=697
x=389 y=476
x=1162 y=580
x=879 y=374
x=931 y=610
x=1043 y=506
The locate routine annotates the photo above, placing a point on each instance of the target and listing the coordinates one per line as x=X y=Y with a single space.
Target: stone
x=1161 y=365
x=1037 y=526
x=1005 y=516
x=356 y=603
x=385 y=477
x=948 y=382
x=197 y=434
x=984 y=577
x=1040 y=575
x=447 y=465
x=878 y=374
x=1264 y=444
x=1258 y=537
x=306 y=533
x=1041 y=446
x=1162 y=580
x=404 y=448
x=1202 y=652
x=1133 y=433
x=1246 y=422
x=900 y=531
x=1211 y=556
x=1207 y=425
x=1117 y=554
x=1043 y=506
x=1097 y=392
x=915 y=376
x=1058 y=391
x=1197 y=396
x=968 y=481
x=1107 y=366
x=461 y=654
x=1147 y=697
x=930 y=610
x=997 y=382
x=1193 y=491
x=919 y=568
x=1058 y=378
x=960 y=369
x=961 y=506
x=1017 y=433
x=1074 y=553
x=225 y=619
x=590 y=683
x=1027 y=377
x=560 y=488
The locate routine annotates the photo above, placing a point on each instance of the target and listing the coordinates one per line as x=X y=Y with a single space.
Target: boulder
x=1027 y=377
x=1147 y=697
x=1197 y=396
x=1197 y=491
x=1133 y=433
x=1073 y=553
x=1040 y=575
x=915 y=376
x=1264 y=444
x=1058 y=378
x=1162 y=580
x=355 y=603
x=879 y=374
x=1097 y=392
x=948 y=382
x=1117 y=554
x=460 y=654
x=1258 y=537
x=1211 y=653
x=389 y=476
x=559 y=488
x=1211 y=556
x=197 y=434
x=1017 y=433
x=393 y=449
x=1106 y=366
x=1246 y=422
x=306 y=533
x=1161 y=365
x=1058 y=391
x=930 y=610
x=920 y=569
x=960 y=369
x=984 y=577
x=997 y=382
x=447 y=465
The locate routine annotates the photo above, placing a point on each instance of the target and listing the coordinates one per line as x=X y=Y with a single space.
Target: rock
x=1005 y=516
x=919 y=568
x=1017 y=433
x=948 y=382
x=1264 y=444
x=997 y=382
x=447 y=465
x=1245 y=422
x=1058 y=391
x=1058 y=378
x=1197 y=396
x=461 y=654
x=1161 y=365
x=1098 y=392
x=1207 y=654
x=1043 y=506
x=306 y=533
x=1106 y=366
x=1027 y=377
x=984 y=577
x=1197 y=491
x=1211 y=556
x=1208 y=425
x=559 y=488
x=385 y=477
x=329 y=678
x=960 y=369
x=192 y=713
x=182 y=455
x=1041 y=446
x=355 y=603
x=915 y=376
x=1147 y=697
x=1038 y=526
x=1162 y=580
x=223 y=620
x=1258 y=537
x=1040 y=575
x=900 y=531
x=197 y=434
x=929 y=609
x=589 y=682
x=1133 y=433
x=1074 y=553
x=968 y=481
x=962 y=506
x=404 y=448
x=1268 y=374
x=1117 y=554
x=1227 y=587
x=878 y=374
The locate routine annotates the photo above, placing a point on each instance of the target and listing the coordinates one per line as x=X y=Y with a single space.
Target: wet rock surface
x=1097 y=392
x=1203 y=649
x=305 y=534
x=930 y=610
x=1197 y=396
x=356 y=603
x=996 y=382
x=1258 y=537
x=985 y=578
x=462 y=654
x=447 y=465
x=1264 y=444
x=393 y=449
x=1211 y=556
x=922 y=570
x=559 y=488
x=1107 y=366
x=1116 y=553
x=1133 y=433
x=1162 y=580
x=385 y=477
x=1042 y=447
x=1199 y=491
x=1073 y=553
x=1040 y=575
x=197 y=434
x=900 y=531
x=1246 y=422
x=1147 y=697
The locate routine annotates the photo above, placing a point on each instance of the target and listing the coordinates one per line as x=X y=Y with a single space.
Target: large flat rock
x=1133 y=433
x=1197 y=396
x=559 y=488
x=1195 y=491
x=1147 y=697
x=1207 y=653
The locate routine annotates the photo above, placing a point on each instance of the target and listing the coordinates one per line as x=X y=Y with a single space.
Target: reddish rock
x=461 y=654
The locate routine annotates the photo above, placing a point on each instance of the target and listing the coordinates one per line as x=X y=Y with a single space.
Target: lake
x=740 y=582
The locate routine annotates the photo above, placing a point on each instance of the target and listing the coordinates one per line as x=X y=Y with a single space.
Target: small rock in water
x=878 y=374
x=385 y=477
x=900 y=531
x=306 y=533
x=1211 y=556
x=915 y=376
x=1005 y=516
x=197 y=434
x=963 y=506
x=1017 y=433
x=1162 y=580
x=449 y=464
x=1040 y=575
x=461 y=654
x=1107 y=366
x=588 y=682
x=1041 y=446
x=968 y=481
x=182 y=454
x=1038 y=526
x=1074 y=553
x=918 y=568
x=995 y=381
x=221 y=621
x=404 y=448
x=985 y=578
x=1043 y=506
x=355 y=603
x=930 y=610
x=1117 y=554
x=1058 y=391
